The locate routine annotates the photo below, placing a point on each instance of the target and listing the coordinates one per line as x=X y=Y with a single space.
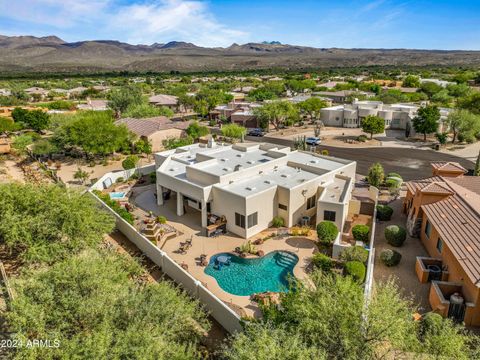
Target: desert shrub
x=431 y=323
x=325 y=152
x=390 y=257
x=384 y=212
x=362 y=138
x=115 y=206
x=395 y=235
x=356 y=270
x=327 y=231
x=248 y=248
x=300 y=231
x=376 y=175
x=393 y=184
x=161 y=219
x=360 y=233
x=322 y=262
x=130 y=162
x=153 y=177
x=278 y=222
x=354 y=253
x=120 y=179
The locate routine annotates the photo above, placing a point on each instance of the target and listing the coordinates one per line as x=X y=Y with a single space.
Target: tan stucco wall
x=157 y=138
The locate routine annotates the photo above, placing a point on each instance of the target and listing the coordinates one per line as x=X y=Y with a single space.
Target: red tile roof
x=149 y=126
x=456 y=218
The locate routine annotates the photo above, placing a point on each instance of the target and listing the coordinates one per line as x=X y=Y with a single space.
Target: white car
x=313 y=141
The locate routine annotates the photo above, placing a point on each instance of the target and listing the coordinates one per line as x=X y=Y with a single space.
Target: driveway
x=410 y=163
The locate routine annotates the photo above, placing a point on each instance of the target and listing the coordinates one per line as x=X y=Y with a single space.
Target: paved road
x=410 y=163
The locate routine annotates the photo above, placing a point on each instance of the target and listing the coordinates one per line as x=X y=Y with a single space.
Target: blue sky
x=420 y=24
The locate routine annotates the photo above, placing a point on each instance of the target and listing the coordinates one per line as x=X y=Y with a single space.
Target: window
x=428 y=229
x=252 y=220
x=439 y=245
x=240 y=220
x=283 y=207
x=311 y=202
x=329 y=215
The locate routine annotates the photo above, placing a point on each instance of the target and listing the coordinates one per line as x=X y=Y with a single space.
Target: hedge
x=360 y=233
x=384 y=212
x=356 y=270
x=327 y=231
x=390 y=257
x=395 y=235
x=322 y=262
x=355 y=253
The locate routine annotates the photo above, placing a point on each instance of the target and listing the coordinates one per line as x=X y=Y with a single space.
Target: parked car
x=255 y=132
x=313 y=141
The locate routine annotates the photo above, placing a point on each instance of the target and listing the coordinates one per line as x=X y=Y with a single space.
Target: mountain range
x=29 y=54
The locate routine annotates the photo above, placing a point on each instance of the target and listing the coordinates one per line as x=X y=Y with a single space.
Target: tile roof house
x=155 y=129
x=169 y=101
x=444 y=212
x=94 y=105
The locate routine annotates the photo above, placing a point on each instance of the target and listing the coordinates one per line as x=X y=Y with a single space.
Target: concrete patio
x=190 y=226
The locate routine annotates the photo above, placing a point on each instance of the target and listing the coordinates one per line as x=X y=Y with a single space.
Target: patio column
x=179 y=203
x=159 y=195
x=204 y=214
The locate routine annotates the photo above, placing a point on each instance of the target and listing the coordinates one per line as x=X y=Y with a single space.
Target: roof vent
x=173 y=169
x=251 y=162
x=239 y=155
x=285 y=175
x=314 y=161
x=237 y=167
x=269 y=182
x=226 y=169
x=250 y=188
x=224 y=159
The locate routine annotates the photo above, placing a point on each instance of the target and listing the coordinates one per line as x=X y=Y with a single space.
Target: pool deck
x=189 y=225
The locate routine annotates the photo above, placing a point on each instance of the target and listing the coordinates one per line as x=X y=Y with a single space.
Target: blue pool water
x=117 y=195
x=248 y=276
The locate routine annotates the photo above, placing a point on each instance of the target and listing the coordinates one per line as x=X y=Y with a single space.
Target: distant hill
x=29 y=54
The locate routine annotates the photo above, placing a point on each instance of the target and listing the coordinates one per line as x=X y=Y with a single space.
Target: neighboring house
x=37 y=92
x=444 y=211
x=396 y=116
x=169 y=101
x=240 y=113
x=155 y=129
x=342 y=96
x=248 y=185
x=94 y=105
x=330 y=84
x=77 y=91
x=442 y=83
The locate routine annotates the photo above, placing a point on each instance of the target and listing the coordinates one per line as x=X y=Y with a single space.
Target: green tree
x=331 y=317
x=33 y=119
x=277 y=113
x=471 y=102
x=143 y=146
x=119 y=100
x=195 y=130
x=46 y=223
x=411 y=81
x=477 y=166
x=139 y=111
x=97 y=307
x=430 y=88
x=459 y=121
x=376 y=175
x=373 y=125
x=233 y=131
x=20 y=143
x=95 y=133
x=426 y=121
x=312 y=107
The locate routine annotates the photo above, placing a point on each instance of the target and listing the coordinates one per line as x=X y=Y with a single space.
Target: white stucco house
x=249 y=184
x=396 y=116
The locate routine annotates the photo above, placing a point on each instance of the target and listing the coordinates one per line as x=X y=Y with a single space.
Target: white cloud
x=140 y=22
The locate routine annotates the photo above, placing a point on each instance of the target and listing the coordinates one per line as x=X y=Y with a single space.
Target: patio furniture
x=203 y=260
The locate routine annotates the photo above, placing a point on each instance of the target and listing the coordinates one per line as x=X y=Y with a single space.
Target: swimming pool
x=117 y=195
x=249 y=276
